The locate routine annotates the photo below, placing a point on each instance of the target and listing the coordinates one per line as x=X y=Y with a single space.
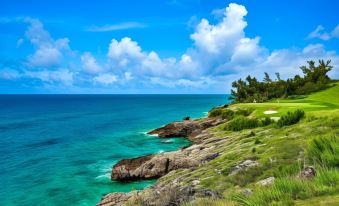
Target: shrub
x=227 y=114
x=239 y=123
x=215 y=112
x=291 y=118
x=257 y=141
x=244 y=112
x=324 y=150
x=266 y=121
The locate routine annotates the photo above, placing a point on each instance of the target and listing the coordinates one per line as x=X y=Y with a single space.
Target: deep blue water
x=59 y=149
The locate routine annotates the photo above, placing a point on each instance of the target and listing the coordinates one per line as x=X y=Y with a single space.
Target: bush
x=257 y=141
x=266 y=121
x=215 y=112
x=324 y=151
x=244 y=112
x=227 y=114
x=291 y=118
x=239 y=123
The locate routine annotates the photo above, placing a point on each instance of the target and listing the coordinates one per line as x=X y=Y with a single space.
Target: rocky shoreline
x=203 y=149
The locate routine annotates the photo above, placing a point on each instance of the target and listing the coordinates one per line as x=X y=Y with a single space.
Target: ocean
x=59 y=149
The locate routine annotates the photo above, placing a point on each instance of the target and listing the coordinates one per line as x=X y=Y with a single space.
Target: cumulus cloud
x=320 y=33
x=62 y=76
x=124 y=52
x=89 y=63
x=221 y=52
x=224 y=36
x=105 y=79
x=9 y=74
x=49 y=52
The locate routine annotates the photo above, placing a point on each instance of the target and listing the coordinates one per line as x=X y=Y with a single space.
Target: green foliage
x=315 y=78
x=254 y=150
x=324 y=150
x=240 y=122
x=257 y=141
x=288 y=189
x=227 y=114
x=215 y=112
x=244 y=111
x=266 y=121
x=291 y=118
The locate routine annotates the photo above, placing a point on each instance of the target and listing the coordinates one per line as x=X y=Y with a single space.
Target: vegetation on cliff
x=251 y=90
x=279 y=152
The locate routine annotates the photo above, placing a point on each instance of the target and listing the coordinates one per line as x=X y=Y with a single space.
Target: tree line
x=314 y=78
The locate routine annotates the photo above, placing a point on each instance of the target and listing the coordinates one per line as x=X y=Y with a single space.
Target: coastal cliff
x=243 y=154
x=203 y=149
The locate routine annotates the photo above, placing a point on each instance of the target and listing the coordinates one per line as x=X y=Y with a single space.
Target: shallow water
x=58 y=149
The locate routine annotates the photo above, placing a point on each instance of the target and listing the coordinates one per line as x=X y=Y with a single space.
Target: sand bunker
x=270 y=112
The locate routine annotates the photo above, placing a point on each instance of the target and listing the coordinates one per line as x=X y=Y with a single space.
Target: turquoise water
x=59 y=149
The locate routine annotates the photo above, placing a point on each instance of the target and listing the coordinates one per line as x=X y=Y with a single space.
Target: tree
x=315 y=78
x=267 y=78
x=277 y=74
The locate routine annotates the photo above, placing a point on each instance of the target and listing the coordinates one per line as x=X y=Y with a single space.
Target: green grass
x=330 y=200
x=280 y=151
x=323 y=100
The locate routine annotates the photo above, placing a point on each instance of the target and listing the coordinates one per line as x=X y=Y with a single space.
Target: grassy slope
x=280 y=152
x=320 y=101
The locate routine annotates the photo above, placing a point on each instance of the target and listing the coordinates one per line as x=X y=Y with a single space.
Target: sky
x=159 y=46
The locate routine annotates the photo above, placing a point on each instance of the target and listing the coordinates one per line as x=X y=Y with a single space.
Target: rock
x=247 y=192
x=244 y=165
x=115 y=199
x=266 y=182
x=121 y=170
x=151 y=166
x=209 y=193
x=186 y=118
x=210 y=157
x=308 y=172
x=186 y=128
x=195 y=182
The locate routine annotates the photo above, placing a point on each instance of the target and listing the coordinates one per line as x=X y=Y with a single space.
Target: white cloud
x=220 y=51
x=45 y=57
x=9 y=74
x=105 y=79
x=224 y=36
x=128 y=76
x=124 y=52
x=49 y=52
x=335 y=32
x=115 y=27
x=90 y=64
x=321 y=34
x=63 y=76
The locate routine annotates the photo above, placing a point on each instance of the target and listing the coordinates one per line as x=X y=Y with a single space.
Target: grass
x=320 y=101
x=324 y=150
x=330 y=200
x=280 y=152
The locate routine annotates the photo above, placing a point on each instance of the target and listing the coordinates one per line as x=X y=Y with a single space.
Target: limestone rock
x=308 y=172
x=151 y=166
x=244 y=165
x=267 y=181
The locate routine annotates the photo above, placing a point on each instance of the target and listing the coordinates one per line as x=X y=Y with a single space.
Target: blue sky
x=169 y=46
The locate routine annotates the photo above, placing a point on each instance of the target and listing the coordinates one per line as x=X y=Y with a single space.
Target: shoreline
x=159 y=165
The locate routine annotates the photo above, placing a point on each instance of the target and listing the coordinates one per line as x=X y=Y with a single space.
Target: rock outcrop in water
x=204 y=149
x=151 y=166
x=186 y=128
